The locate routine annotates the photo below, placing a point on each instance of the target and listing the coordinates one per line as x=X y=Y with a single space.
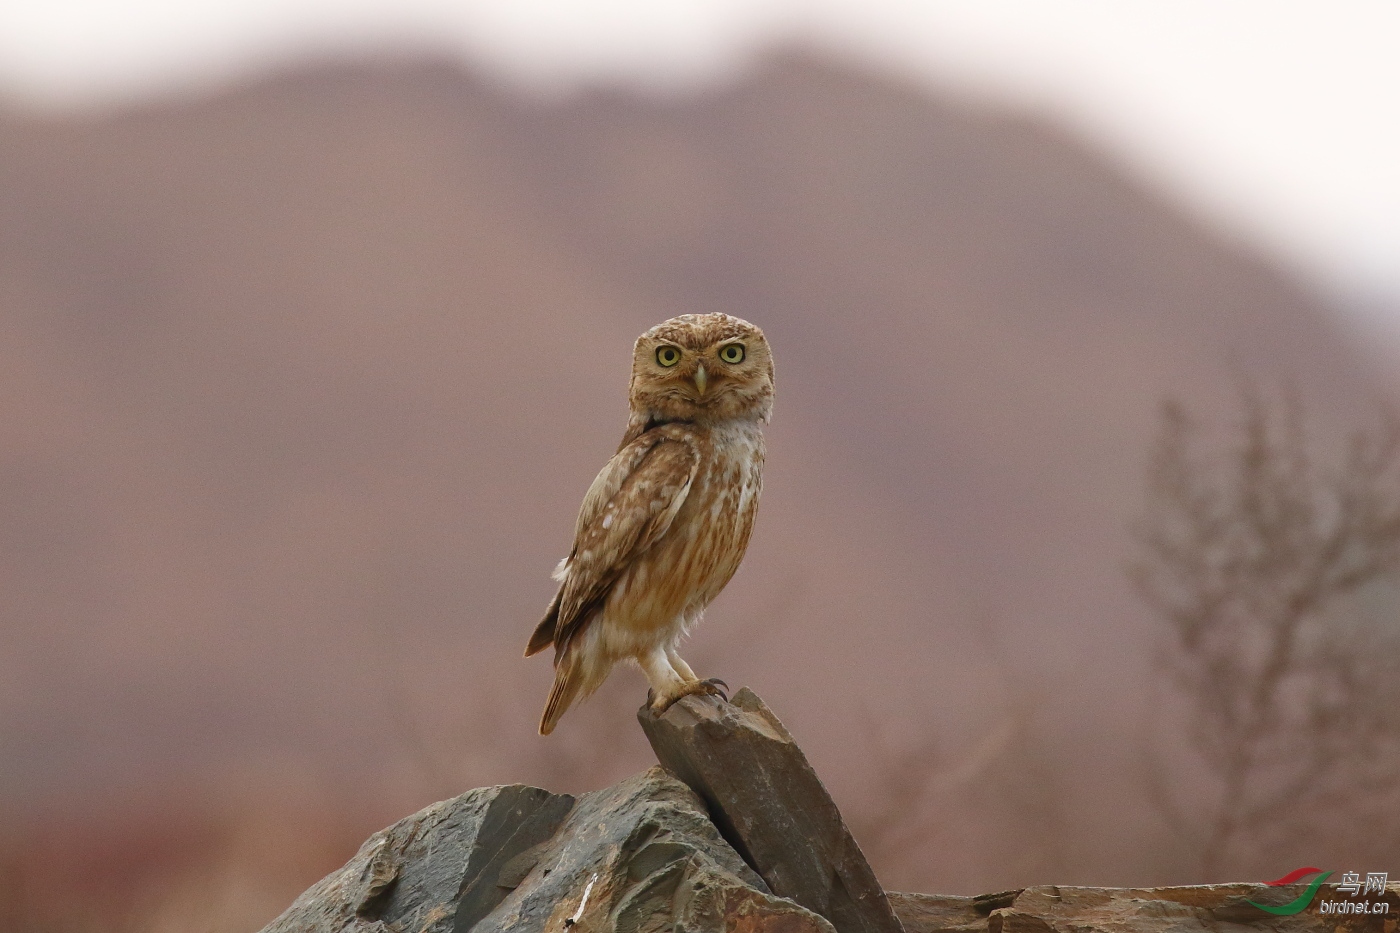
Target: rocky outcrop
x=639 y=857
x=653 y=854
x=1207 y=908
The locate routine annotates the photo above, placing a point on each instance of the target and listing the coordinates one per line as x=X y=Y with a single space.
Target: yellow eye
x=734 y=353
x=668 y=356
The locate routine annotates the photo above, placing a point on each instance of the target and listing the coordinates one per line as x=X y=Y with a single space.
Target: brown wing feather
x=629 y=522
x=561 y=695
x=605 y=485
x=609 y=480
x=543 y=636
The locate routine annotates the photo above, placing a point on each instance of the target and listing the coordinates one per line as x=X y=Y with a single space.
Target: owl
x=666 y=523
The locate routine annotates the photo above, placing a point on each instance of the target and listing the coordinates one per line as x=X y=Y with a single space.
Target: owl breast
x=666 y=589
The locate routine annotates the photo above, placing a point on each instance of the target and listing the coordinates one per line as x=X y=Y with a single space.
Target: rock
x=644 y=856
x=938 y=913
x=770 y=805
x=639 y=857
x=1218 y=908
x=430 y=868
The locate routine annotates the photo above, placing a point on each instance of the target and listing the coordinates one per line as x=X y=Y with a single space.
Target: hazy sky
x=1280 y=120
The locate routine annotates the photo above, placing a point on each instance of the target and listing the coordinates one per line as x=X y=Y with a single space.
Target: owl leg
x=679 y=664
x=718 y=687
x=668 y=684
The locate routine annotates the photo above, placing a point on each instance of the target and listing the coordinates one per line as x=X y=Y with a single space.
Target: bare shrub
x=1273 y=578
x=989 y=814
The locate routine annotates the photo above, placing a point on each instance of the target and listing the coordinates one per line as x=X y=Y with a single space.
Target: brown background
x=301 y=384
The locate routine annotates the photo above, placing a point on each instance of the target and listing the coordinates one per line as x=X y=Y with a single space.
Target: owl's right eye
x=668 y=356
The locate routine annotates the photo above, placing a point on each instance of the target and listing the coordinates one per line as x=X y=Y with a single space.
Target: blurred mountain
x=303 y=383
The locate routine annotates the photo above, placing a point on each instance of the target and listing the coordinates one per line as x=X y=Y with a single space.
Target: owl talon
x=714 y=687
x=717 y=688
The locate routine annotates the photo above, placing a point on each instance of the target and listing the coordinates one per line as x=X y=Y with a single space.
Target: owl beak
x=700 y=378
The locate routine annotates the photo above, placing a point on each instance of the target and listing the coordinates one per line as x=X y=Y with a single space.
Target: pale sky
x=1277 y=120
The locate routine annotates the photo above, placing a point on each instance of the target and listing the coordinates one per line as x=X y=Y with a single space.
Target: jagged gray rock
x=521 y=859
x=1207 y=908
x=644 y=856
x=771 y=806
x=425 y=871
x=938 y=913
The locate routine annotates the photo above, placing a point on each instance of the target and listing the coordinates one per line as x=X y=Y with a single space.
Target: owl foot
x=714 y=687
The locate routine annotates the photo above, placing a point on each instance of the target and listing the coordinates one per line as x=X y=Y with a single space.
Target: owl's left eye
x=733 y=353
x=668 y=356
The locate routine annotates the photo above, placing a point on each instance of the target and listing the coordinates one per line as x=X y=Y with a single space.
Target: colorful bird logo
x=1303 y=900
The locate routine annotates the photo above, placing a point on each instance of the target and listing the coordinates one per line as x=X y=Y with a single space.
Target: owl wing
x=629 y=507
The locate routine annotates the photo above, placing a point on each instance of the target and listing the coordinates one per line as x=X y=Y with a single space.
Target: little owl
x=666 y=523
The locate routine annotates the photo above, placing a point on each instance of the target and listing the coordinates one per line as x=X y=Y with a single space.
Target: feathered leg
x=677 y=662
x=713 y=683
x=668 y=683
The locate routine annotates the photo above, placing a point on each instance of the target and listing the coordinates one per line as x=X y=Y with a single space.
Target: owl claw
x=714 y=687
x=717 y=688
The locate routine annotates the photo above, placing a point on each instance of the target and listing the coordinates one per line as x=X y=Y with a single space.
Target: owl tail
x=568 y=678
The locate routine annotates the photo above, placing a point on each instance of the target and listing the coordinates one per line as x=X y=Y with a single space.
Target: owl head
x=704 y=368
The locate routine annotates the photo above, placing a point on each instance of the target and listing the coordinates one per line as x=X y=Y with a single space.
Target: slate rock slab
x=639 y=857
x=1215 y=908
x=770 y=805
x=938 y=913
x=414 y=874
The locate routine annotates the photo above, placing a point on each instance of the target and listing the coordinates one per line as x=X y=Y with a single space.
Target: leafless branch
x=1246 y=557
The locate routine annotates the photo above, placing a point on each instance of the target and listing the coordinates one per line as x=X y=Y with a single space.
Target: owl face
x=703 y=368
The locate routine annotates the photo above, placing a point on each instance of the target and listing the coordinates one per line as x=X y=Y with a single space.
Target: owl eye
x=668 y=356
x=734 y=353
